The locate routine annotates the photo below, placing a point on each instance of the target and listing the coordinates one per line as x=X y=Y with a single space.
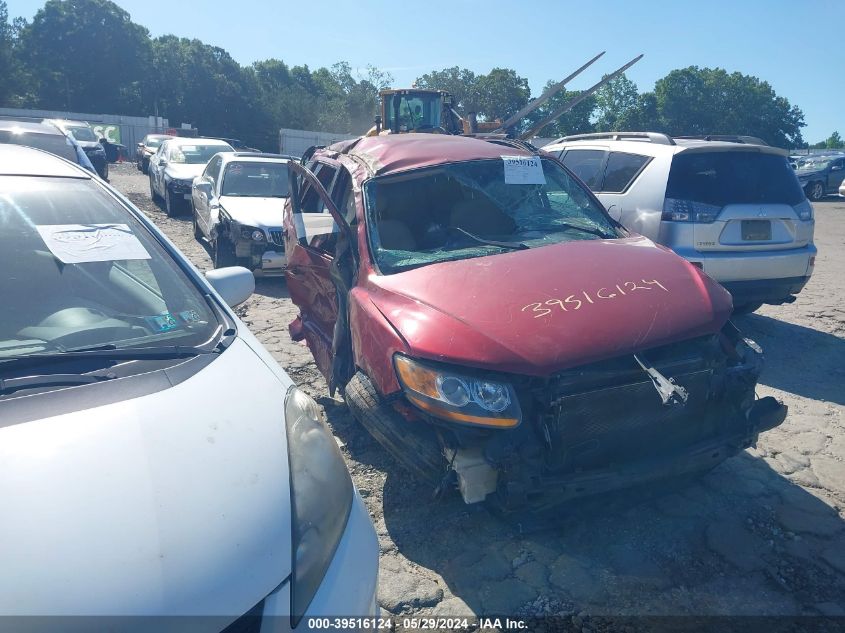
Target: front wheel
x=224 y=252
x=412 y=444
x=153 y=193
x=170 y=204
x=198 y=235
x=145 y=166
x=815 y=191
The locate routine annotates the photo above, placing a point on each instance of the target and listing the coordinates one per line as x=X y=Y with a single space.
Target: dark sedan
x=147 y=148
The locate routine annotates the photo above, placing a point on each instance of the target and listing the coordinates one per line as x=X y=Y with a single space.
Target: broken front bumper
x=621 y=423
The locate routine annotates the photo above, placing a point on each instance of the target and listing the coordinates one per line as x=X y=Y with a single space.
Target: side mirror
x=836 y=168
x=234 y=284
x=140 y=145
x=161 y=162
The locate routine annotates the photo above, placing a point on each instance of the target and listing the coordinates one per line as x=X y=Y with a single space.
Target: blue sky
x=792 y=45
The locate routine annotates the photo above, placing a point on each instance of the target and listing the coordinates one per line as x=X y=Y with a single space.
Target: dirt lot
x=763 y=534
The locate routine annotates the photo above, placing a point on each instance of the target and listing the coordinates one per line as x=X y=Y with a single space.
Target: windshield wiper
x=519 y=246
x=112 y=352
x=596 y=232
x=10 y=385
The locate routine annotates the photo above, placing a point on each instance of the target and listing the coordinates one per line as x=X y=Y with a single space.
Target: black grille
x=277 y=236
x=609 y=412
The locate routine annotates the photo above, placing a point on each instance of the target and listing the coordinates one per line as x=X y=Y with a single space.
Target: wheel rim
x=818 y=192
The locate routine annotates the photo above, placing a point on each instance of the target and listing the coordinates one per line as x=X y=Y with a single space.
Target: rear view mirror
x=234 y=284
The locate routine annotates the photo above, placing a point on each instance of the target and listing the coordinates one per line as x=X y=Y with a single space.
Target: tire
x=171 y=206
x=747 y=308
x=145 y=166
x=416 y=449
x=198 y=235
x=138 y=166
x=106 y=172
x=224 y=252
x=815 y=191
x=153 y=193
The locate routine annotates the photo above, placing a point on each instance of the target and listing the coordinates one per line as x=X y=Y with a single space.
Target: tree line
x=89 y=56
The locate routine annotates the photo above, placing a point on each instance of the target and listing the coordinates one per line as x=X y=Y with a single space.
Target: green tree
x=617 y=104
x=85 y=55
x=710 y=101
x=8 y=67
x=576 y=121
x=461 y=83
x=834 y=141
x=501 y=93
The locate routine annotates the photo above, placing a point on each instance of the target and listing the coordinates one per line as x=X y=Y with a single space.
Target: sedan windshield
x=195 y=154
x=80 y=271
x=255 y=180
x=471 y=209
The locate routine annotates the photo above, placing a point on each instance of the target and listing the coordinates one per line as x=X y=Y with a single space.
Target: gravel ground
x=762 y=534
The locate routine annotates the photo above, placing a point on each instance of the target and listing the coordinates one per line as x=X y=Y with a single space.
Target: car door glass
x=587 y=165
x=314 y=224
x=621 y=170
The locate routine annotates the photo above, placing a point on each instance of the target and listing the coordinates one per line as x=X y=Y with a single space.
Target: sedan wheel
x=815 y=191
x=198 y=235
x=169 y=203
x=153 y=193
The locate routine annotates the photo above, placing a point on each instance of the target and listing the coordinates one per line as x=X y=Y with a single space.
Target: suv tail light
x=804 y=210
x=689 y=211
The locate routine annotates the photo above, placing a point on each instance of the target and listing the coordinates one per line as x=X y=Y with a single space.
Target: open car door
x=320 y=267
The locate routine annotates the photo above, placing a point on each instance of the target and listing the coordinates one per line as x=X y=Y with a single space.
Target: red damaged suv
x=487 y=320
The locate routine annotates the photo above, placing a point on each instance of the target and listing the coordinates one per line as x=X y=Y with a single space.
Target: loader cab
x=414 y=110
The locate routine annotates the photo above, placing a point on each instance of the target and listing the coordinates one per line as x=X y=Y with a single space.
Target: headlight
x=321 y=497
x=252 y=233
x=458 y=397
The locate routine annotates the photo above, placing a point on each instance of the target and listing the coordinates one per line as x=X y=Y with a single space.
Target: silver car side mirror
x=234 y=284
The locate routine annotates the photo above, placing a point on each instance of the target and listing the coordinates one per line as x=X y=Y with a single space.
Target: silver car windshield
x=80 y=271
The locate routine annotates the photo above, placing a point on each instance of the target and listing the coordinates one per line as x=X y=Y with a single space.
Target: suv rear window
x=721 y=178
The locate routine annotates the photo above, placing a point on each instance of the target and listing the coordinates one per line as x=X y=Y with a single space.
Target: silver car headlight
x=321 y=498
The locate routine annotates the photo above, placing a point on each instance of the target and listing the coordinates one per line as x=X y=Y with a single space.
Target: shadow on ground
x=740 y=540
x=817 y=372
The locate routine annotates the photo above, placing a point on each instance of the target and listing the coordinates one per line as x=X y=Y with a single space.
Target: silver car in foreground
x=730 y=205
x=154 y=459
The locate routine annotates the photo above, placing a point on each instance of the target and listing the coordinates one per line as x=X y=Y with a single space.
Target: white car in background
x=237 y=205
x=174 y=166
x=731 y=205
x=154 y=458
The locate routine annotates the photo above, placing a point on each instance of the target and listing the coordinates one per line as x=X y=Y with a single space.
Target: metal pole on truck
x=536 y=129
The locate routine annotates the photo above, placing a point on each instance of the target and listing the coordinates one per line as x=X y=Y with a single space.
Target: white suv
x=731 y=205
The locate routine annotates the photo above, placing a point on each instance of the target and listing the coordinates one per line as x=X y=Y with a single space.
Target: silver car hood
x=259 y=212
x=172 y=503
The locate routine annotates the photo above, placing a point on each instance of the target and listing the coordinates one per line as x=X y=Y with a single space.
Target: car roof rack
x=652 y=137
x=728 y=138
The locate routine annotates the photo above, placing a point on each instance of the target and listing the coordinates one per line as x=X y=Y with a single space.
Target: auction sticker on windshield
x=83 y=243
x=523 y=170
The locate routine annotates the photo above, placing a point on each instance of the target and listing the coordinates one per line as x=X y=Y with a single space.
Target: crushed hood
x=258 y=212
x=172 y=503
x=543 y=310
